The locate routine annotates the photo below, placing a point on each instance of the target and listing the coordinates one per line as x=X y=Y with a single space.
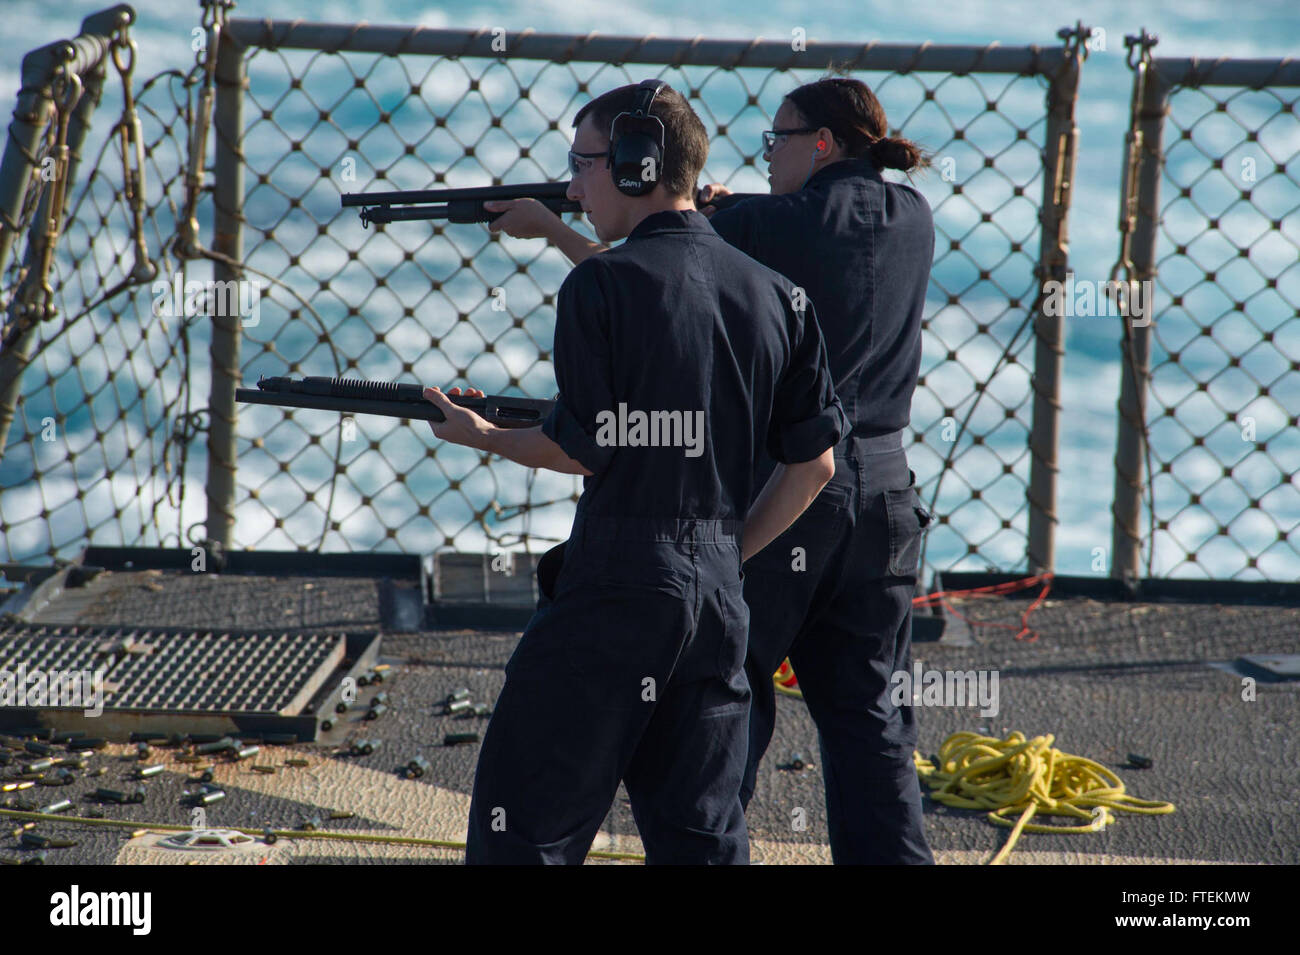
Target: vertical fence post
x=1053 y=254
x=86 y=55
x=1135 y=366
x=228 y=203
x=32 y=115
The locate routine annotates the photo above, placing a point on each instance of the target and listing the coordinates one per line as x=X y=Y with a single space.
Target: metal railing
x=299 y=105
x=297 y=113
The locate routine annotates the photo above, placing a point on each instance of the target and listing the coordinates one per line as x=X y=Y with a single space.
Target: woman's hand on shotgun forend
x=461 y=426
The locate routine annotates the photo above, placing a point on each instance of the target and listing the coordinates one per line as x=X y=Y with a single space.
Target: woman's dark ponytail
x=895 y=153
x=849 y=109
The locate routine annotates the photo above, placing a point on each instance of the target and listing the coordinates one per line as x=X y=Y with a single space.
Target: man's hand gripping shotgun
x=393 y=399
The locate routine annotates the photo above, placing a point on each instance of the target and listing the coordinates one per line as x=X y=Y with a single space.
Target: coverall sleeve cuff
x=565 y=430
x=806 y=440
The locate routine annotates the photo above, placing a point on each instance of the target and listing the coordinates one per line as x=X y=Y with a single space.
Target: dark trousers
x=632 y=669
x=834 y=594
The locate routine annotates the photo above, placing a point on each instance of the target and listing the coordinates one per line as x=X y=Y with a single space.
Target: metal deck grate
x=161 y=670
x=471 y=578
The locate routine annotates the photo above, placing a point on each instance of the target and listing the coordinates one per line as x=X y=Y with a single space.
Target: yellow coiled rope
x=1027 y=776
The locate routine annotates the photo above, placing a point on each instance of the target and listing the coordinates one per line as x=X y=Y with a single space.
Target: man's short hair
x=686 y=144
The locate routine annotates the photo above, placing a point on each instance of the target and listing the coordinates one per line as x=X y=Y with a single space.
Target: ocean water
x=387 y=480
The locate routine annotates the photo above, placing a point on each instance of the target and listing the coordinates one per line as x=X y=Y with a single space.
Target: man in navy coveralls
x=681 y=363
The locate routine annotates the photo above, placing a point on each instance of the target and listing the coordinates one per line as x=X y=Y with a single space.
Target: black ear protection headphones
x=634 y=138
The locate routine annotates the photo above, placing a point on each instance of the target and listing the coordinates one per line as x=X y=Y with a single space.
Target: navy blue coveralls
x=861 y=248
x=632 y=667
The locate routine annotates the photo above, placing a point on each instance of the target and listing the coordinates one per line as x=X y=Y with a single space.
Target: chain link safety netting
x=1224 y=390
x=110 y=403
x=451 y=304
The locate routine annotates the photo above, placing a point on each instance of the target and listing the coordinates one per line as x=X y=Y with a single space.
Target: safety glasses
x=580 y=162
x=770 y=136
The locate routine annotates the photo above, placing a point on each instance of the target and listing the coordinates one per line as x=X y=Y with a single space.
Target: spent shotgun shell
x=35 y=732
x=87 y=742
x=216 y=746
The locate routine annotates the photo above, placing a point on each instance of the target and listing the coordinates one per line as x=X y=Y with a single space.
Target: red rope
x=993 y=590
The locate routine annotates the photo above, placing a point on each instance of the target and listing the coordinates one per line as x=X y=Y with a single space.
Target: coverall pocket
x=619 y=640
x=660 y=566
x=908 y=519
x=735 y=629
x=714 y=658
x=549 y=566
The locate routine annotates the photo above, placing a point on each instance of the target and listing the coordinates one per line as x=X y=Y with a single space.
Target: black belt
x=871 y=444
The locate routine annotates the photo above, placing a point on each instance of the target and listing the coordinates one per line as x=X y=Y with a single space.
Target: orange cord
x=784 y=676
x=993 y=590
